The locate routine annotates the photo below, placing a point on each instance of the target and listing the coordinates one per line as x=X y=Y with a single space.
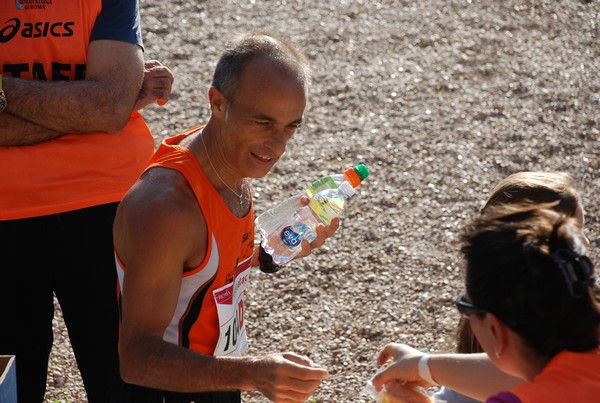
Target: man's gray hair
x=258 y=45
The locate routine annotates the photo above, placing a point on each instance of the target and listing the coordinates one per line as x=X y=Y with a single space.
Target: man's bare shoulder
x=161 y=190
x=160 y=213
x=160 y=208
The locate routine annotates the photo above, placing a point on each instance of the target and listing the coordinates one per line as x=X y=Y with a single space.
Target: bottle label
x=327 y=182
x=292 y=235
x=327 y=205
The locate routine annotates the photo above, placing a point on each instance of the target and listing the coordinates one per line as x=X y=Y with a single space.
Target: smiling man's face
x=267 y=110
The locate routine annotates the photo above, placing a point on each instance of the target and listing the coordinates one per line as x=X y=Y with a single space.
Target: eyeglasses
x=466 y=308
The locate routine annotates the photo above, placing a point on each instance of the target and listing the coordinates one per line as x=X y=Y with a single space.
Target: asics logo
x=40 y=29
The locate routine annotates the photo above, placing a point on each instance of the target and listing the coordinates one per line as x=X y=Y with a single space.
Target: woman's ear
x=217 y=102
x=505 y=347
x=499 y=333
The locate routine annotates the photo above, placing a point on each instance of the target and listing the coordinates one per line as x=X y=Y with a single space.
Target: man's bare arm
x=102 y=102
x=156 y=234
x=15 y=131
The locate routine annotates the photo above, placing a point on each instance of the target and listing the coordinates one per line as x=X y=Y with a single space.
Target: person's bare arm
x=15 y=131
x=156 y=235
x=102 y=102
x=473 y=375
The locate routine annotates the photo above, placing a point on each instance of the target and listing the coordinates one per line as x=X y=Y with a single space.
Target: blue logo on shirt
x=32 y=4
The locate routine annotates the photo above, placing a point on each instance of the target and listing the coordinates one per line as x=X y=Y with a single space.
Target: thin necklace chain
x=241 y=194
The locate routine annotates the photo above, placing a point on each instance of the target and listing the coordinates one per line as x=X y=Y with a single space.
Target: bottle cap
x=361 y=170
x=352 y=176
x=356 y=174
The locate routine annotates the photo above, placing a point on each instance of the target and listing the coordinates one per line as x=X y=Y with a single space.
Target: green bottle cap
x=361 y=170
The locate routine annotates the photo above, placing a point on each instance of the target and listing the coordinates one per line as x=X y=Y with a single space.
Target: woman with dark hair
x=531 y=187
x=530 y=304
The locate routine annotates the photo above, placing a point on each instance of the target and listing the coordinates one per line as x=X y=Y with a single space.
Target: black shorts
x=126 y=393
x=69 y=255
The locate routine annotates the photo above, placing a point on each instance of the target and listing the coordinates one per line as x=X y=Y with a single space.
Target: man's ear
x=217 y=102
x=499 y=332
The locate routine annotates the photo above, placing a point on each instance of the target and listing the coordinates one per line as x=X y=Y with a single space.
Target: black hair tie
x=577 y=270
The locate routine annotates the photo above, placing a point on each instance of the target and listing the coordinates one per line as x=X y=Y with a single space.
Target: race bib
x=230 y=307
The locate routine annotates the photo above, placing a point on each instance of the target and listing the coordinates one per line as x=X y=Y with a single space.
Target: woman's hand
x=404 y=365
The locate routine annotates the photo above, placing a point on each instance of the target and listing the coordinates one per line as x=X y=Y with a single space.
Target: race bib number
x=230 y=307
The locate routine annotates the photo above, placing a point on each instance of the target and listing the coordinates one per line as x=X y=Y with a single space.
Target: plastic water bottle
x=285 y=226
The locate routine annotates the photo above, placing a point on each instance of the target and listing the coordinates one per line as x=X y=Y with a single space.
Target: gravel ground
x=441 y=99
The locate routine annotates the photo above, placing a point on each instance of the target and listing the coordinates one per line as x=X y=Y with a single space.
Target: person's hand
x=322 y=231
x=158 y=81
x=288 y=377
x=400 y=391
x=404 y=365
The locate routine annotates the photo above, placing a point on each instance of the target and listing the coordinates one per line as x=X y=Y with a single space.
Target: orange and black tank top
x=195 y=323
x=49 y=40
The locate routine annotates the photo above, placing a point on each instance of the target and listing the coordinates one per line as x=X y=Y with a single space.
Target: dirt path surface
x=440 y=99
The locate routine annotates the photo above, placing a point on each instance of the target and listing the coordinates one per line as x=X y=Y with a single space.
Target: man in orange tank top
x=183 y=335
x=71 y=144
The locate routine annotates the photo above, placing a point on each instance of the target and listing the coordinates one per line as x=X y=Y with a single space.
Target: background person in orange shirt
x=71 y=144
